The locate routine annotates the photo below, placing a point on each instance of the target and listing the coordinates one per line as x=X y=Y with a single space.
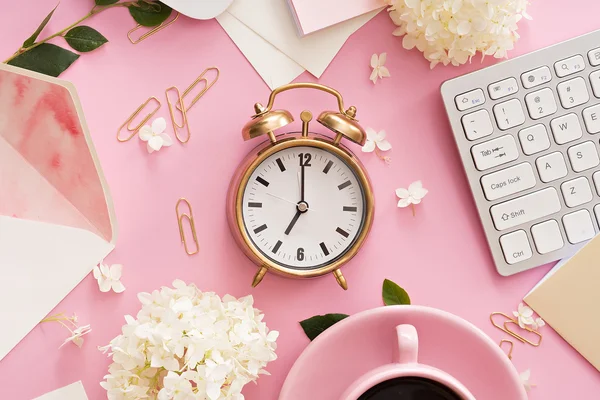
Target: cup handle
x=407 y=350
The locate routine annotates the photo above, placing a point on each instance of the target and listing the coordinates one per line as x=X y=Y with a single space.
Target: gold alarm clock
x=301 y=204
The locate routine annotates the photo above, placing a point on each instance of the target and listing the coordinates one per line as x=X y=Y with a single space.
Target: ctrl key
x=515 y=247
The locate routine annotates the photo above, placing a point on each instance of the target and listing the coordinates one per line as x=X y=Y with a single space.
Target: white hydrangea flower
x=524 y=315
x=525 y=377
x=379 y=70
x=411 y=196
x=77 y=335
x=453 y=31
x=187 y=344
x=109 y=277
x=155 y=135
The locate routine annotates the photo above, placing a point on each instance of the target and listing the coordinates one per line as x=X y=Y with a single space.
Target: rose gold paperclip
x=509 y=320
x=150 y=32
x=135 y=114
x=190 y=218
x=207 y=86
x=184 y=119
x=510 y=349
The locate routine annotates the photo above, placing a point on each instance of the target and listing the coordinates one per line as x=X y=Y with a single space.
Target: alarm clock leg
x=259 y=276
x=340 y=279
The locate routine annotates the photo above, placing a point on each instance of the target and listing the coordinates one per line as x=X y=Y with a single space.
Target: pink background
x=440 y=256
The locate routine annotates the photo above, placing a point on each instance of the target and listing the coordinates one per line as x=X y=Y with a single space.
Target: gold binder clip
x=510 y=349
x=190 y=218
x=184 y=119
x=505 y=329
x=150 y=32
x=135 y=114
x=207 y=86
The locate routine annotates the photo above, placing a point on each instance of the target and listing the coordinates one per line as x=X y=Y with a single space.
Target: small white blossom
x=453 y=31
x=538 y=323
x=77 y=335
x=525 y=376
x=379 y=70
x=411 y=196
x=155 y=135
x=375 y=139
x=187 y=344
x=524 y=316
x=109 y=277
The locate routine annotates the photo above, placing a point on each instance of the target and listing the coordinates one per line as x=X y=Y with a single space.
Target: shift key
x=525 y=208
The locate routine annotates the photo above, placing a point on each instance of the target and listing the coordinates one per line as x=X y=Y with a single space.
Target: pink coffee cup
x=405 y=365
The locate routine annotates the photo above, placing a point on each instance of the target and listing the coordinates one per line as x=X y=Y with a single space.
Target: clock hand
x=302 y=183
x=286 y=200
x=294 y=220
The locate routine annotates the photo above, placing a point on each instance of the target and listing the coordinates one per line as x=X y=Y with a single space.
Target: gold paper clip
x=150 y=32
x=520 y=338
x=190 y=218
x=510 y=349
x=207 y=86
x=135 y=114
x=184 y=119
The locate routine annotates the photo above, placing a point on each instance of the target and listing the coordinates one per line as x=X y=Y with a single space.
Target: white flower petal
x=167 y=141
x=104 y=270
x=104 y=285
x=384 y=72
x=414 y=186
x=368 y=147
x=374 y=76
x=371 y=134
x=159 y=125
x=118 y=287
x=419 y=193
x=155 y=143
x=384 y=145
x=382 y=59
x=115 y=271
x=96 y=272
x=145 y=133
x=149 y=148
x=404 y=202
x=374 y=61
x=402 y=193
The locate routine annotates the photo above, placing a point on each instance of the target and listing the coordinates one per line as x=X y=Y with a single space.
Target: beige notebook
x=568 y=299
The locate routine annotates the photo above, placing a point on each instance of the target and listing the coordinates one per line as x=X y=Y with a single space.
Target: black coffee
x=409 y=388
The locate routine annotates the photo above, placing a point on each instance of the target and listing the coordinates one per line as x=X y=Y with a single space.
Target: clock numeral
x=304 y=159
x=300 y=254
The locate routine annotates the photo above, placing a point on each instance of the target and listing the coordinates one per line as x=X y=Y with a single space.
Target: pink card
x=314 y=15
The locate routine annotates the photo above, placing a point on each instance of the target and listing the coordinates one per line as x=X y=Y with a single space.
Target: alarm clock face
x=303 y=207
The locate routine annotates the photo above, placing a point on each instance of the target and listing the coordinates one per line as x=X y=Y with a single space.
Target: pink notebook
x=314 y=15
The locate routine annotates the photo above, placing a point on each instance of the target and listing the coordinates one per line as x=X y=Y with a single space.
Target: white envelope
x=274 y=67
x=56 y=215
x=273 y=21
x=74 y=391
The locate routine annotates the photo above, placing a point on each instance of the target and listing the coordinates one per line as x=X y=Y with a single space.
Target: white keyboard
x=527 y=132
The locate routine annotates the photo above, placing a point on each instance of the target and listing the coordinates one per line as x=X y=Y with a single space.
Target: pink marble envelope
x=56 y=215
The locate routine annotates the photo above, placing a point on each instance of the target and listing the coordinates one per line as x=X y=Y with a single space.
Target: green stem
x=95 y=10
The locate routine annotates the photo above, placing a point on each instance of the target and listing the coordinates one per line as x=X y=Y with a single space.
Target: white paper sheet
x=274 y=67
x=74 y=391
x=41 y=263
x=272 y=20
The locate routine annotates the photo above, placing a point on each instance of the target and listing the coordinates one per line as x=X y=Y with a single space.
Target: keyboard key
x=525 y=208
x=515 y=247
x=551 y=167
x=583 y=156
x=591 y=117
x=573 y=93
x=509 y=114
x=495 y=152
x=547 y=236
x=576 y=192
x=578 y=226
x=508 y=181
x=536 y=77
x=503 y=88
x=595 y=81
x=597 y=212
x=541 y=103
x=477 y=124
x=470 y=99
x=596 y=178
x=569 y=66
x=594 y=57
x=566 y=128
x=534 y=139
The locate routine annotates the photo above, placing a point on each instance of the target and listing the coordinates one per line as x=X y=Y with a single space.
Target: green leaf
x=106 y=2
x=46 y=58
x=394 y=294
x=149 y=14
x=84 y=38
x=31 y=39
x=314 y=326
